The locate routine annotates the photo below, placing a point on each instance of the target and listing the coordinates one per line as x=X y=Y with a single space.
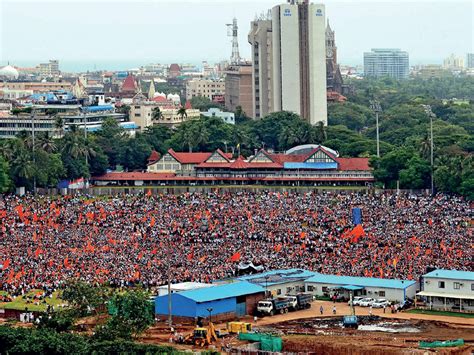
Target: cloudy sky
x=133 y=33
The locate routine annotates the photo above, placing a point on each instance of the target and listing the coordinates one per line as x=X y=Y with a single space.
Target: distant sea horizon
x=79 y=66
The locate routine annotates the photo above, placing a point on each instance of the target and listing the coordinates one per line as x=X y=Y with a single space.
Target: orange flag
x=235 y=257
x=278 y=248
x=152 y=222
x=66 y=263
x=190 y=256
x=303 y=235
x=148 y=193
x=6 y=264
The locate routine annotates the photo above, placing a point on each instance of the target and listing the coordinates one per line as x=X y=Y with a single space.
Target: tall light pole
x=375 y=106
x=431 y=115
x=210 y=314
x=33 y=113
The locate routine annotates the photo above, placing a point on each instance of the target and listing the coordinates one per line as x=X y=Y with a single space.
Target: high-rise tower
x=299 y=59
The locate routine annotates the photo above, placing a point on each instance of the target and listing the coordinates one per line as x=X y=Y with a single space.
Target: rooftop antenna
x=232 y=31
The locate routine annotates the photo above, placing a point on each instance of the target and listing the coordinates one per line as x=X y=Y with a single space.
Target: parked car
x=355 y=301
x=366 y=302
x=381 y=303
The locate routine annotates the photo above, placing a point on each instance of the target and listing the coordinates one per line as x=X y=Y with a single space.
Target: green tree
x=5 y=182
x=416 y=175
x=85 y=298
x=134 y=314
x=182 y=113
x=45 y=142
x=156 y=114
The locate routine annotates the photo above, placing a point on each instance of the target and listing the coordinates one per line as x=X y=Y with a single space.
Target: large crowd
x=204 y=236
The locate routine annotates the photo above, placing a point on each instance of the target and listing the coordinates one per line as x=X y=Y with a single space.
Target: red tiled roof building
x=315 y=166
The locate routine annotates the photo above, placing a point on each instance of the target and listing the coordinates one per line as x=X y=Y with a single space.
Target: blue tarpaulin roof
x=219 y=292
x=451 y=274
x=275 y=277
x=360 y=281
x=98 y=108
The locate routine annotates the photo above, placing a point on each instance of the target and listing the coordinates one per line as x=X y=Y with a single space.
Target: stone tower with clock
x=333 y=72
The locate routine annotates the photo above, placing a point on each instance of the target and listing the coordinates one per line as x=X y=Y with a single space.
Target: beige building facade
x=260 y=38
x=36 y=87
x=238 y=88
x=204 y=87
x=142 y=114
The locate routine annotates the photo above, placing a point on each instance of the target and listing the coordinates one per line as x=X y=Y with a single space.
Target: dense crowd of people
x=203 y=236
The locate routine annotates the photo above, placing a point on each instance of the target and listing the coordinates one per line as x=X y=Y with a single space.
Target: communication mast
x=232 y=31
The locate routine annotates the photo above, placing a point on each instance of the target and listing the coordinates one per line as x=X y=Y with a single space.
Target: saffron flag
x=6 y=264
x=235 y=257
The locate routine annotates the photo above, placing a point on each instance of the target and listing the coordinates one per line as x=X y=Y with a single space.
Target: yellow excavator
x=202 y=336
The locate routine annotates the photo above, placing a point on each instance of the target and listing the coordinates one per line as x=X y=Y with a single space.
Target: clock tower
x=333 y=73
x=331 y=49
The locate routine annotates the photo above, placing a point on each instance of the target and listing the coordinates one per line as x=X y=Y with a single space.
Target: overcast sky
x=139 y=32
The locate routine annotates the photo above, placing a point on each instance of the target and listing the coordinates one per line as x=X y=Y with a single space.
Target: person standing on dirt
x=334 y=310
x=384 y=306
x=321 y=309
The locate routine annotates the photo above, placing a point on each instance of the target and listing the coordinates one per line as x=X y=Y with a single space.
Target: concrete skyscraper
x=299 y=59
x=260 y=37
x=289 y=61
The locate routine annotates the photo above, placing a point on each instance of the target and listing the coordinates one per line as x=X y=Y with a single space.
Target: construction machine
x=202 y=336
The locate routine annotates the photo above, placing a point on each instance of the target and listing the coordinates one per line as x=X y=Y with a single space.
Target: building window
x=311 y=288
x=288 y=289
x=472 y=287
x=456 y=285
x=324 y=289
x=440 y=284
x=382 y=293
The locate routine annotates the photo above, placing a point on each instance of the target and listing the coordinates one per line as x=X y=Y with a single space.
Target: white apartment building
x=299 y=59
x=448 y=290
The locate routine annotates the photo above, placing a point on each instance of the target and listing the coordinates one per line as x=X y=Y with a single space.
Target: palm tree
x=157 y=114
x=425 y=147
x=182 y=113
x=22 y=166
x=59 y=125
x=46 y=142
x=320 y=132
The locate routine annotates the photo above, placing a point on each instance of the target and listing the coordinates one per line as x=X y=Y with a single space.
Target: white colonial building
x=449 y=290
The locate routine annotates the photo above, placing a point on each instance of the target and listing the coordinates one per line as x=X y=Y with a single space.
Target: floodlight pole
x=375 y=106
x=430 y=114
x=33 y=113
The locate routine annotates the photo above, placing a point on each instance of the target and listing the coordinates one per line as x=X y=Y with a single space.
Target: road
x=343 y=309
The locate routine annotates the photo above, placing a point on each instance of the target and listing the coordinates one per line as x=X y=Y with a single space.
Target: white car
x=355 y=301
x=366 y=302
x=381 y=303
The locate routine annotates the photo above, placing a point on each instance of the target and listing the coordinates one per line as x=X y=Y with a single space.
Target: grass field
x=20 y=303
x=441 y=313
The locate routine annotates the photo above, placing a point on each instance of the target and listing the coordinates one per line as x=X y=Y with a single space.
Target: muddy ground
x=376 y=335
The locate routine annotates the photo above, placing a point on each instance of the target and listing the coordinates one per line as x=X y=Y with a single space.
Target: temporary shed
x=392 y=290
x=226 y=301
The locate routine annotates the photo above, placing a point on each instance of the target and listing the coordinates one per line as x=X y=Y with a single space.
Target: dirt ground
x=308 y=331
x=343 y=309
